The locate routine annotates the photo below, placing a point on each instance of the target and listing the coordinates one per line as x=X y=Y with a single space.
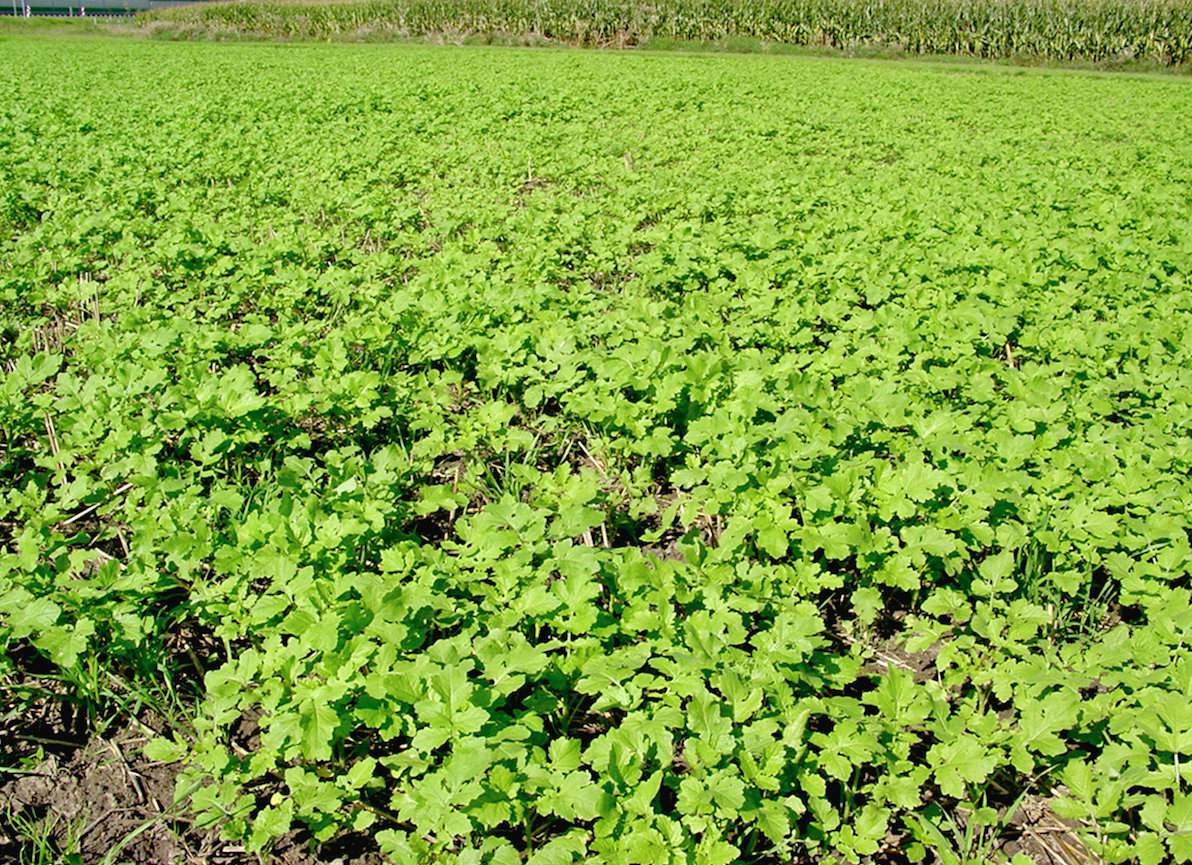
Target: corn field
x=1089 y=30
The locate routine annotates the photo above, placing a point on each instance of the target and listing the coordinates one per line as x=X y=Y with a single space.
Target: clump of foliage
x=1157 y=31
x=554 y=457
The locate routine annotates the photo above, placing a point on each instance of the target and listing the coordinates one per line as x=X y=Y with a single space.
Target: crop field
x=493 y=456
x=1155 y=32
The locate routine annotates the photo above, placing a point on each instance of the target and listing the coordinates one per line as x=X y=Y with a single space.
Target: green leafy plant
x=545 y=457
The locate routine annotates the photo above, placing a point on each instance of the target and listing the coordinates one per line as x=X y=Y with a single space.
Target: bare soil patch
x=104 y=800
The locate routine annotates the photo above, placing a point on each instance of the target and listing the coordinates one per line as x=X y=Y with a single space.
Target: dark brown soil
x=104 y=799
x=103 y=796
x=889 y=652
